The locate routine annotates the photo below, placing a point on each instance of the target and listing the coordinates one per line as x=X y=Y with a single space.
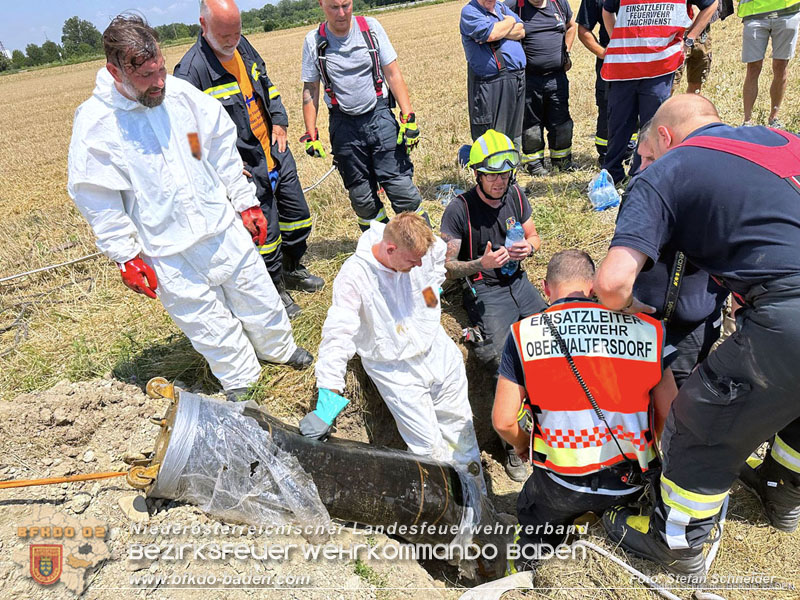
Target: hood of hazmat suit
x=379 y=313
x=155 y=180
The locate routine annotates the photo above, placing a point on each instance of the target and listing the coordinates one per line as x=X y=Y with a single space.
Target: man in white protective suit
x=153 y=167
x=386 y=308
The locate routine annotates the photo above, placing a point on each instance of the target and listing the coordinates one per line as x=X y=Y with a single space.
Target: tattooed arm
x=456 y=269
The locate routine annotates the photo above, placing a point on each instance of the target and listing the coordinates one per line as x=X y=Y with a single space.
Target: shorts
x=697 y=65
x=758 y=31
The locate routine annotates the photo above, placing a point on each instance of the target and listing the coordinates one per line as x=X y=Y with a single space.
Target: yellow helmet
x=493 y=152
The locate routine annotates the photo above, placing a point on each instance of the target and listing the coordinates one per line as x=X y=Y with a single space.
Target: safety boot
x=536 y=168
x=515 y=468
x=297 y=277
x=300 y=359
x=564 y=164
x=237 y=394
x=633 y=532
x=777 y=489
x=292 y=309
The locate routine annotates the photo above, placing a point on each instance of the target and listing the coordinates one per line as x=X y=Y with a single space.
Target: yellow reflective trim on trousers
x=294 y=225
x=273 y=92
x=785 y=455
x=270 y=248
x=223 y=91
x=561 y=153
x=381 y=215
x=600 y=141
x=694 y=504
x=511 y=566
x=533 y=156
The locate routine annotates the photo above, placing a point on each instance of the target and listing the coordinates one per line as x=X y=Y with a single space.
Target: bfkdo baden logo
x=59 y=550
x=46 y=562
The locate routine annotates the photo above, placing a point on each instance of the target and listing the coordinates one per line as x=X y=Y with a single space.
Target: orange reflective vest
x=647 y=40
x=619 y=358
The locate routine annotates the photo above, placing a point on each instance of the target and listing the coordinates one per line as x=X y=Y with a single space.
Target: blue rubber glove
x=273 y=179
x=317 y=424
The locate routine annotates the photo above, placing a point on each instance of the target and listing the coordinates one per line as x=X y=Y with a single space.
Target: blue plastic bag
x=602 y=193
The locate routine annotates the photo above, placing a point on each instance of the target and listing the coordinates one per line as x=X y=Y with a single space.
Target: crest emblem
x=254 y=72
x=510 y=222
x=46 y=563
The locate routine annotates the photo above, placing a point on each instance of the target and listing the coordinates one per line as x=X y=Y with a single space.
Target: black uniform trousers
x=368 y=157
x=547 y=107
x=692 y=342
x=497 y=103
x=288 y=217
x=495 y=309
x=742 y=394
x=546 y=508
x=629 y=101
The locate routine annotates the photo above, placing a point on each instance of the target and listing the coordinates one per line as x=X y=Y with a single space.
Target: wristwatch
x=688 y=42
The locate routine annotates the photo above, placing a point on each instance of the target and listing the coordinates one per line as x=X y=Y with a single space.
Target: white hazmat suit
x=134 y=178
x=419 y=371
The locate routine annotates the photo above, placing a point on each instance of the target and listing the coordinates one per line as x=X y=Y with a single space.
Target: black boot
x=778 y=490
x=297 y=276
x=292 y=310
x=634 y=534
x=536 y=168
x=564 y=164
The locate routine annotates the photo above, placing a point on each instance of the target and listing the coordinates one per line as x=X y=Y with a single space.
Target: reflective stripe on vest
x=226 y=90
x=619 y=358
x=372 y=50
x=647 y=40
x=748 y=8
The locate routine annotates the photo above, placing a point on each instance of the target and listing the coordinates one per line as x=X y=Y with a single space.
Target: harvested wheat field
x=77 y=347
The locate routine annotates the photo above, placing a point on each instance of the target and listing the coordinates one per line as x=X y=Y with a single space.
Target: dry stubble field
x=80 y=322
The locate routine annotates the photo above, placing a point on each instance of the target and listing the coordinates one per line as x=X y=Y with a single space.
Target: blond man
x=386 y=309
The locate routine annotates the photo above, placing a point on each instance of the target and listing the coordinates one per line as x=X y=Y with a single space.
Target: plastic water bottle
x=602 y=193
x=515 y=234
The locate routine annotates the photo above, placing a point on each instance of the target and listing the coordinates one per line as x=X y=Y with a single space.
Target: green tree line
x=80 y=39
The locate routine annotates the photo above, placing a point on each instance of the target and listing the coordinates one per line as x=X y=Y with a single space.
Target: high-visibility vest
x=647 y=40
x=756 y=7
x=619 y=358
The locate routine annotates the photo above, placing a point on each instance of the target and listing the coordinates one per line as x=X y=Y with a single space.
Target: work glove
x=139 y=276
x=256 y=223
x=409 y=132
x=317 y=424
x=313 y=145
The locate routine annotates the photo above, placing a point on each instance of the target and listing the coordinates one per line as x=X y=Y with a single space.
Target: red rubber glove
x=139 y=277
x=256 y=223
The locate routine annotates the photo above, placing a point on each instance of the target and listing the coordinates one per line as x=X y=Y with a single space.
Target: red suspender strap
x=519 y=197
x=374 y=53
x=783 y=161
x=322 y=45
x=479 y=275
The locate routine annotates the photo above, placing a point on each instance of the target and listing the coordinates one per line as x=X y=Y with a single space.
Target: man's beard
x=144 y=98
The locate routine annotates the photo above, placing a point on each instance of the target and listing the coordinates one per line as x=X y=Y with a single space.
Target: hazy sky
x=33 y=21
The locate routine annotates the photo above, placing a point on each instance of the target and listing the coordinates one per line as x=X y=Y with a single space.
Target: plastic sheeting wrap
x=232 y=469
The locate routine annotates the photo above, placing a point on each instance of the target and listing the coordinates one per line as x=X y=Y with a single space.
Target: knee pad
x=562 y=136
x=533 y=139
x=364 y=201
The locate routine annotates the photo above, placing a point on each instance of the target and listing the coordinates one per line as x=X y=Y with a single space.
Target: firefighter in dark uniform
x=588 y=454
x=223 y=64
x=550 y=30
x=698 y=197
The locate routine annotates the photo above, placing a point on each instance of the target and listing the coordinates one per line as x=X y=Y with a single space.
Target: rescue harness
x=372 y=48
